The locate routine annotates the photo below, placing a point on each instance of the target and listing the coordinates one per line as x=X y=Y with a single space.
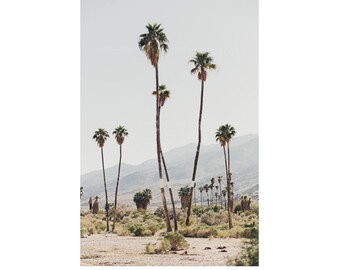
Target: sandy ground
x=113 y=250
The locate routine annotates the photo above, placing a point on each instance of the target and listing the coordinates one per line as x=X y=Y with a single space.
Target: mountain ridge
x=244 y=166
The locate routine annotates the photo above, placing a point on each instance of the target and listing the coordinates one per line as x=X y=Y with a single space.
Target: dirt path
x=110 y=249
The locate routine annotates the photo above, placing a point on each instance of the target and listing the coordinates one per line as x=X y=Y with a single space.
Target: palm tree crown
x=202 y=62
x=153 y=42
x=120 y=133
x=164 y=94
x=224 y=134
x=101 y=135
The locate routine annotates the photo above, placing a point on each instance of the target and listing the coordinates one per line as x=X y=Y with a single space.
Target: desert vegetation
x=214 y=218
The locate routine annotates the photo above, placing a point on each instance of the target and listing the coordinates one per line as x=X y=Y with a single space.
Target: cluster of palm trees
x=100 y=136
x=152 y=43
x=218 y=194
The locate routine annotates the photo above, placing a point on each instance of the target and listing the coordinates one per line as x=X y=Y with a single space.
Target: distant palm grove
x=218 y=192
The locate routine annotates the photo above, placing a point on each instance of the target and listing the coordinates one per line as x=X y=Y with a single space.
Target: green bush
x=237 y=208
x=150 y=248
x=252 y=233
x=255 y=208
x=200 y=231
x=198 y=211
x=206 y=232
x=176 y=240
x=141 y=223
x=249 y=255
x=209 y=218
x=165 y=246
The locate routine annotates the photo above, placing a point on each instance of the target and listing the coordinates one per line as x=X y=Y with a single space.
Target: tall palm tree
x=152 y=43
x=216 y=194
x=164 y=95
x=219 y=179
x=201 y=190
x=223 y=136
x=202 y=62
x=211 y=186
x=100 y=136
x=206 y=188
x=120 y=134
x=224 y=193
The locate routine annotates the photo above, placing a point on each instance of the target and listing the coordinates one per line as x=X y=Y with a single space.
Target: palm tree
x=120 y=134
x=224 y=193
x=206 y=188
x=216 y=193
x=100 y=136
x=163 y=96
x=81 y=192
x=201 y=190
x=219 y=179
x=142 y=199
x=152 y=43
x=211 y=186
x=202 y=62
x=223 y=136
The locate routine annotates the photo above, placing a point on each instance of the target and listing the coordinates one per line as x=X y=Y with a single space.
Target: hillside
x=244 y=166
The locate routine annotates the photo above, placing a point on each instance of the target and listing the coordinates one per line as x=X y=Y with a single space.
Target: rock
x=221 y=247
x=223 y=250
x=207 y=248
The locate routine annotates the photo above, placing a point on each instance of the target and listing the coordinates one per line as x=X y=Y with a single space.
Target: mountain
x=244 y=152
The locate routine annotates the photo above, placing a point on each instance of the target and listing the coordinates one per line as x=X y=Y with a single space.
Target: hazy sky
x=117 y=79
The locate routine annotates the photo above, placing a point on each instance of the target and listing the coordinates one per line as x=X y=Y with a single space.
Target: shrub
x=217 y=208
x=255 y=208
x=187 y=231
x=150 y=248
x=249 y=255
x=92 y=224
x=237 y=208
x=141 y=223
x=206 y=232
x=252 y=233
x=198 y=211
x=92 y=230
x=165 y=246
x=176 y=240
x=208 y=218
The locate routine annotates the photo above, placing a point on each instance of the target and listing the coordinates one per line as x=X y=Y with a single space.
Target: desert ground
x=113 y=250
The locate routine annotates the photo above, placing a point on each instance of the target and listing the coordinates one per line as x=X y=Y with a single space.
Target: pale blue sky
x=117 y=79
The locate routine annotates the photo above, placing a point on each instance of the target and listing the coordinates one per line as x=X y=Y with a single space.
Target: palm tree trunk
x=158 y=141
x=106 y=198
x=221 y=193
x=229 y=175
x=228 y=189
x=170 y=191
x=201 y=200
x=208 y=198
x=116 y=193
x=195 y=195
x=197 y=152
